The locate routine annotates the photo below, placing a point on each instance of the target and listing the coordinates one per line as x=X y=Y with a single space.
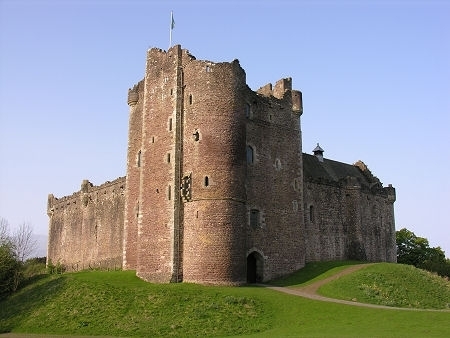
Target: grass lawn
x=119 y=304
x=392 y=285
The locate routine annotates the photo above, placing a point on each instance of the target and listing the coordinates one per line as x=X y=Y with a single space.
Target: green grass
x=313 y=272
x=392 y=285
x=119 y=304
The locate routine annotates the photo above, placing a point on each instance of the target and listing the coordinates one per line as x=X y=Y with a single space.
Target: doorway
x=255 y=267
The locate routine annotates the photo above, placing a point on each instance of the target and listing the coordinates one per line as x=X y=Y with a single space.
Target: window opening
x=196 y=135
x=311 y=213
x=170 y=124
x=254 y=218
x=138 y=160
x=247 y=110
x=169 y=193
x=206 y=181
x=278 y=164
x=190 y=98
x=250 y=155
x=168 y=157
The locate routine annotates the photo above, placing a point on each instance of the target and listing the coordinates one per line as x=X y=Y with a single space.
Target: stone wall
x=274 y=180
x=86 y=228
x=217 y=188
x=348 y=222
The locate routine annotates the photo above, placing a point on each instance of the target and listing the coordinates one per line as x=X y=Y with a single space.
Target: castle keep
x=217 y=188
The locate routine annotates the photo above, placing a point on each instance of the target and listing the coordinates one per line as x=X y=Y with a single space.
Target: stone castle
x=217 y=189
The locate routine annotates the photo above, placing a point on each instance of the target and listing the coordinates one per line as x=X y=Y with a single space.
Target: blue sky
x=375 y=77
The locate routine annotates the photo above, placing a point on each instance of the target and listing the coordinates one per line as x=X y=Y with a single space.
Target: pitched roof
x=333 y=171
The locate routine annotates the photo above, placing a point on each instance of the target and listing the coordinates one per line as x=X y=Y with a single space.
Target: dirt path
x=310 y=291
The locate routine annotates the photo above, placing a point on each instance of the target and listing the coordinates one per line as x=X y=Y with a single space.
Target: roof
x=318 y=148
x=334 y=171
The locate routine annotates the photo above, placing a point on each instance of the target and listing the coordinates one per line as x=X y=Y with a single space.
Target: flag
x=172 y=21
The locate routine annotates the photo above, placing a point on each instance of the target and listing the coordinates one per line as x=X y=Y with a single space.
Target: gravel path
x=310 y=291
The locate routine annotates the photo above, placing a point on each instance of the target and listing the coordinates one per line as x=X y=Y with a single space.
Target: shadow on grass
x=311 y=272
x=17 y=307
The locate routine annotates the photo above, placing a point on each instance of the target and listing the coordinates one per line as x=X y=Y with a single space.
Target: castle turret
x=214 y=164
x=134 y=164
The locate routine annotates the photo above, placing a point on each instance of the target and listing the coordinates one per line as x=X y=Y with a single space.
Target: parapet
x=390 y=191
x=108 y=188
x=279 y=91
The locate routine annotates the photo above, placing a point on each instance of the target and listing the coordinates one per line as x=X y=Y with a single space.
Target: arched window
x=250 y=155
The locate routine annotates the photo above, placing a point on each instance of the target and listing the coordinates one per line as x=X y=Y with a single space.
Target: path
x=310 y=291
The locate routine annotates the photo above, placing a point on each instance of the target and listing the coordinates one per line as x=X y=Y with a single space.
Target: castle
x=217 y=189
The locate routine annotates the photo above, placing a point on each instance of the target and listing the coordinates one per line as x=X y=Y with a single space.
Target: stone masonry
x=217 y=189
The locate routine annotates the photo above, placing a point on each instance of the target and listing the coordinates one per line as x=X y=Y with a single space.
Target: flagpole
x=171 y=28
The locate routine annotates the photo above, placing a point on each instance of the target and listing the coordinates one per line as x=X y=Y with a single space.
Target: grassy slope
x=119 y=304
x=392 y=285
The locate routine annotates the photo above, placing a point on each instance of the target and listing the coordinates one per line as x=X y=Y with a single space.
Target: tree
x=414 y=250
x=14 y=250
x=24 y=244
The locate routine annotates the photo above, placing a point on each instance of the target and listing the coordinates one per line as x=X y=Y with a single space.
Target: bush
x=10 y=270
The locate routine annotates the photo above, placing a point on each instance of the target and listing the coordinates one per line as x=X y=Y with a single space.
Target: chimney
x=318 y=152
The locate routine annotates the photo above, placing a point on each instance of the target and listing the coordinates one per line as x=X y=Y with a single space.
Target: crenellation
x=217 y=188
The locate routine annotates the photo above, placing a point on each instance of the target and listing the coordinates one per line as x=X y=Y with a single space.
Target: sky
x=375 y=78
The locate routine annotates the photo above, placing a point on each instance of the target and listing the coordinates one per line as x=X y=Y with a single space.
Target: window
x=247 y=110
x=254 y=218
x=169 y=193
x=311 y=213
x=168 y=157
x=196 y=135
x=277 y=164
x=296 y=184
x=190 y=98
x=138 y=159
x=206 y=181
x=170 y=124
x=250 y=155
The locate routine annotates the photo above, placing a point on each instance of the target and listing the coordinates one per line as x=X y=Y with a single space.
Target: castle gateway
x=217 y=187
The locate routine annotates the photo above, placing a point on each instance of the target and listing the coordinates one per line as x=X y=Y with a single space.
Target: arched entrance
x=255 y=267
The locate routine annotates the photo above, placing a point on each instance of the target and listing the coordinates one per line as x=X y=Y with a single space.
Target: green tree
x=414 y=250
x=10 y=269
x=14 y=251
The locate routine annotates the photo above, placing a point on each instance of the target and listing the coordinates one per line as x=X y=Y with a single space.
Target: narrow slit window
x=247 y=110
x=170 y=124
x=138 y=159
x=311 y=213
x=169 y=193
x=168 y=157
x=190 y=98
x=206 y=181
x=250 y=155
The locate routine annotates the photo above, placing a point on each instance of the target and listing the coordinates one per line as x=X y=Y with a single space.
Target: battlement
x=108 y=188
x=283 y=91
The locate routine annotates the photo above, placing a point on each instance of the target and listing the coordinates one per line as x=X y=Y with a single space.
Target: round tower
x=214 y=169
